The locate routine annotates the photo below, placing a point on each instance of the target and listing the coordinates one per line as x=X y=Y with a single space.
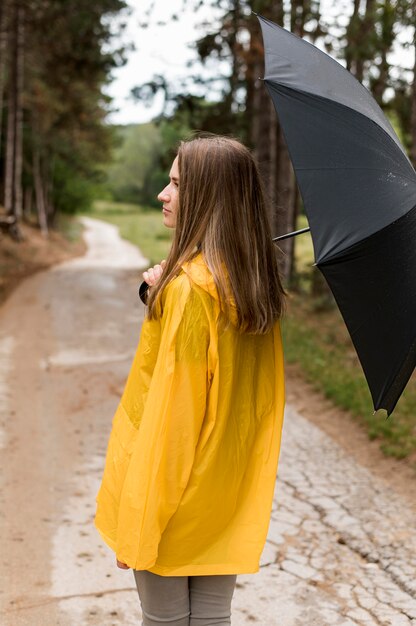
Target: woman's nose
x=163 y=196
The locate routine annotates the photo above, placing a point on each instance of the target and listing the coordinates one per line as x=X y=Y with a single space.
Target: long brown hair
x=222 y=212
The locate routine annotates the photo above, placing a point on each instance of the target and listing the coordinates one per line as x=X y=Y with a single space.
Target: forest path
x=341 y=548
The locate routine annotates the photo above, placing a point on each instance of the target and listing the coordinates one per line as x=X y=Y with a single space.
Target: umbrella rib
x=370 y=169
x=304 y=42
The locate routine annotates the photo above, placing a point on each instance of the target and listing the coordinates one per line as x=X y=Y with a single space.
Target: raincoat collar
x=200 y=274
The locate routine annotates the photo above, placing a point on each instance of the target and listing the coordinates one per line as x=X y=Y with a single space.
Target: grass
x=304 y=248
x=314 y=333
x=319 y=342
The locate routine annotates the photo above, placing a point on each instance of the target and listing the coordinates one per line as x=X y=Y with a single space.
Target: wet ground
x=341 y=548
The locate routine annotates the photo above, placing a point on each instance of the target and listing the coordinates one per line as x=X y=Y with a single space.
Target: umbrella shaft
x=287 y=235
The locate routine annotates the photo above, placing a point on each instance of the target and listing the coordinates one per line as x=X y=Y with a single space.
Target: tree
x=52 y=82
x=245 y=108
x=134 y=162
x=405 y=99
x=3 y=57
x=360 y=37
x=14 y=157
x=386 y=20
x=413 y=108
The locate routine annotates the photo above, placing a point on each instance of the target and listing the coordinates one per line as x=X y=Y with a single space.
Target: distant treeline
x=53 y=66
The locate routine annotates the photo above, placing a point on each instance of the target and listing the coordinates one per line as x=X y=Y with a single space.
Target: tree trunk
x=387 y=23
x=40 y=198
x=9 y=176
x=260 y=113
x=254 y=70
x=267 y=137
x=27 y=202
x=413 y=109
x=19 y=68
x=285 y=214
x=3 y=58
x=50 y=207
x=358 y=37
x=235 y=62
x=262 y=130
x=299 y=12
x=296 y=206
x=351 y=35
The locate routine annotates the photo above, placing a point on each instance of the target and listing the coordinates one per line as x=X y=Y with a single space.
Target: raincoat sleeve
x=173 y=415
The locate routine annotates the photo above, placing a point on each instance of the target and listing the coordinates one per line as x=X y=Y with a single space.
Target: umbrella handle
x=287 y=235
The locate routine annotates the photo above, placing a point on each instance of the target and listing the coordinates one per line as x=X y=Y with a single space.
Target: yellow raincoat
x=192 y=457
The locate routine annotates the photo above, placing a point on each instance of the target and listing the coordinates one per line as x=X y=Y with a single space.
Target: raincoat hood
x=199 y=273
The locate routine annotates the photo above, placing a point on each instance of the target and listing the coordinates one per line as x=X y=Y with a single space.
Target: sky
x=158 y=50
x=166 y=49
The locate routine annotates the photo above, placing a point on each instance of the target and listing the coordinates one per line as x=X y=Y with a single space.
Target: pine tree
x=51 y=80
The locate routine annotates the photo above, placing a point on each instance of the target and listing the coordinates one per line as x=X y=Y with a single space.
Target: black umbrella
x=359 y=193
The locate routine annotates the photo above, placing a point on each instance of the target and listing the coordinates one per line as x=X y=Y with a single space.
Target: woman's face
x=170 y=196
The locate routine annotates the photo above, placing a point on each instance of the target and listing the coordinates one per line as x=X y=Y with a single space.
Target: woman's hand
x=122 y=565
x=152 y=275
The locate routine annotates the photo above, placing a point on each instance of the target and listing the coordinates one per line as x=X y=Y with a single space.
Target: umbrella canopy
x=359 y=192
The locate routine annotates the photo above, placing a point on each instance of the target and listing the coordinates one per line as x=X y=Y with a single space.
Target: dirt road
x=341 y=548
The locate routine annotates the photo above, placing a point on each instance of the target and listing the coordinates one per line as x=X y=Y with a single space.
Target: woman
x=188 y=483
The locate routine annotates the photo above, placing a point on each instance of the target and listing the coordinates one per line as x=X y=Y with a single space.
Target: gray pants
x=185 y=600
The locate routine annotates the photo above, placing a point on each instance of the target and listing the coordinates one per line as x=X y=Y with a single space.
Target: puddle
x=67 y=358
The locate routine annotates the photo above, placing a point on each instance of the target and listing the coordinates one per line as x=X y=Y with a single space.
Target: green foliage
x=134 y=161
x=320 y=344
x=142 y=159
x=73 y=192
x=67 y=63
